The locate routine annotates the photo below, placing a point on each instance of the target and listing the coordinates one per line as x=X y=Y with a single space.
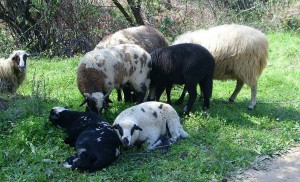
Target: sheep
x=146 y=37
x=240 y=52
x=148 y=122
x=102 y=70
x=96 y=142
x=188 y=64
x=13 y=71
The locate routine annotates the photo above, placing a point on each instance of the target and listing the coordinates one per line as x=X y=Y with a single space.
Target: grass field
x=226 y=139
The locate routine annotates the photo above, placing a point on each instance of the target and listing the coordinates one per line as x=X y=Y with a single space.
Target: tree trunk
x=136 y=11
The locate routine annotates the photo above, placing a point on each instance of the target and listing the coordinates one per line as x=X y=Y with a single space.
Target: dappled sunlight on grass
x=226 y=137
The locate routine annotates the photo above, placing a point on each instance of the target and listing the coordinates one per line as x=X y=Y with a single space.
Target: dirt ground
x=283 y=168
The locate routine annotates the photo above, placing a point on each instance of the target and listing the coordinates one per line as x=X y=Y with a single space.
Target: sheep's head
x=55 y=115
x=96 y=102
x=19 y=58
x=128 y=133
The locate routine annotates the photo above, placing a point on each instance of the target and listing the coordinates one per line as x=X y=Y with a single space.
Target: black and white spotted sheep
x=102 y=70
x=148 y=122
x=96 y=142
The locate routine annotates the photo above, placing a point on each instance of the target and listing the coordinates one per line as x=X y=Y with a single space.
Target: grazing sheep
x=102 y=70
x=188 y=64
x=148 y=122
x=13 y=71
x=240 y=52
x=96 y=142
x=146 y=37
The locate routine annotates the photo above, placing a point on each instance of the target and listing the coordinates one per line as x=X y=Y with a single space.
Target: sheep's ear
x=116 y=126
x=107 y=94
x=54 y=115
x=136 y=127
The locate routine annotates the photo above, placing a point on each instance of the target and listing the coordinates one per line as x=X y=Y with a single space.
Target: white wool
x=240 y=52
x=152 y=117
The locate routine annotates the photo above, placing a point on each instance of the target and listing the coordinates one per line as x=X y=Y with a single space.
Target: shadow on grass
x=238 y=113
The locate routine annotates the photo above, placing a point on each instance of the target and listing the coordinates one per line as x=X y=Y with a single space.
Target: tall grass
x=226 y=139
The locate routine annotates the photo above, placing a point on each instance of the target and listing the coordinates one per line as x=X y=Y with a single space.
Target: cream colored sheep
x=240 y=52
x=13 y=71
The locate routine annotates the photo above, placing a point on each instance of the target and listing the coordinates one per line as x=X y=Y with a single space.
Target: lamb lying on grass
x=149 y=122
x=95 y=140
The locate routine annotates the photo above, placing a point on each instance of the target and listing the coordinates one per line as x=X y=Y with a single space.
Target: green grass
x=227 y=138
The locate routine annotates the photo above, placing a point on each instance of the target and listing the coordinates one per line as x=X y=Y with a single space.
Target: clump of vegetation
x=66 y=28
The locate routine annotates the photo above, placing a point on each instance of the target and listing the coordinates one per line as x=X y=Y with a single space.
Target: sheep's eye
x=17 y=58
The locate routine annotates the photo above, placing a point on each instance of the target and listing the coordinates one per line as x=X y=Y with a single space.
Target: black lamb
x=96 y=143
x=188 y=64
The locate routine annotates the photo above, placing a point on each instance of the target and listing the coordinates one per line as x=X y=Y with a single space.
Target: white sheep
x=146 y=37
x=148 y=122
x=240 y=53
x=13 y=71
x=102 y=70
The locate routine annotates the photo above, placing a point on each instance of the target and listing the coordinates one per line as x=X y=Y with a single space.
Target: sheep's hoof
x=251 y=108
x=178 y=102
x=164 y=150
x=230 y=100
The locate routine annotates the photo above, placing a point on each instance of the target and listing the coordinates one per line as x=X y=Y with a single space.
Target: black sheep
x=188 y=64
x=96 y=143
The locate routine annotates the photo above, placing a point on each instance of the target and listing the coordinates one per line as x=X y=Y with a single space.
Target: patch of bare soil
x=283 y=168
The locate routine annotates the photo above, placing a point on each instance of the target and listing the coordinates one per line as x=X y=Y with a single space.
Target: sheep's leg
x=142 y=92
x=154 y=143
x=206 y=87
x=181 y=98
x=158 y=92
x=119 y=94
x=152 y=94
x=168 y=91
x=127 y=93
x=238 y=87
x=253 y=95
x=191 y=88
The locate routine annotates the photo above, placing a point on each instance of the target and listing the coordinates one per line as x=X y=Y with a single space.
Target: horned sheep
x=13 y=71
x=240 y=52
x=146 y=37
x=102 y=70
x=188 y=64
x=148 y=122
x=96 y=142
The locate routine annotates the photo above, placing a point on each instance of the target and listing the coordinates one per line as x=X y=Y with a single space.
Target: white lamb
x=149 y=122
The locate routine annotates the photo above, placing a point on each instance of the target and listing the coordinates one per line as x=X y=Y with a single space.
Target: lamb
x=13 y=71
x=240 y=52
x=95 y=140
x=100 y=71
x=146 y=37
x=188 y=64
x=148 y=122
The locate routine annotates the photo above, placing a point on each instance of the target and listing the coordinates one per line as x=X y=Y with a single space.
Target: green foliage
x=226 y=138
